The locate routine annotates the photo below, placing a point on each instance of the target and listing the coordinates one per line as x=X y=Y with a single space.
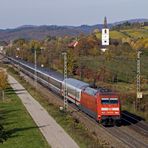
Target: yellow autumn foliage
x=141 y=43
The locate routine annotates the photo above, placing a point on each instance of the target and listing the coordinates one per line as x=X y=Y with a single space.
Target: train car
x=102 y=105
x=45 y=78
x=52 y=80
x=74 y=89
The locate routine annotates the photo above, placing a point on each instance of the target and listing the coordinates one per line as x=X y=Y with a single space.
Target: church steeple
x=105 y=22
x=105 y=34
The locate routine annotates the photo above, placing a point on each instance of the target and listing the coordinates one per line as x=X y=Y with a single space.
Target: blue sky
x=14 y=13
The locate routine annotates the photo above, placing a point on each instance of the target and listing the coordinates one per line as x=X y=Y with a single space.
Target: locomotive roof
x=93 y=92
x=76 y=83
x=90 y=91
x=103 y=90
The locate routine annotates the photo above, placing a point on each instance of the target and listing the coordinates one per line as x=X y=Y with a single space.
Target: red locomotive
x=101 y=104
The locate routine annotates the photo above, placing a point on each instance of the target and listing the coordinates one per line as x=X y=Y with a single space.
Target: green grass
x=145 y=27
x=117 y=35
x=20 y=129
x=72 y=126
x=113 y=35
x=132 y=33
x=98 y=35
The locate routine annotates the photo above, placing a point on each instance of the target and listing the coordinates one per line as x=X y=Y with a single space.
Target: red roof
x=73 y=44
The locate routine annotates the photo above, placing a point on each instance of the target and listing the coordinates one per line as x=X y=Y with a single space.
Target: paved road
x=53 y=133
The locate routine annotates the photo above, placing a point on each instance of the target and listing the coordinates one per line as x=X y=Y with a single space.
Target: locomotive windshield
x=109 y=100
x=105 y=101
x=113 y=100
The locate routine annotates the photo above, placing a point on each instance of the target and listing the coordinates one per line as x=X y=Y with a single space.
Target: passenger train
x=101 y=104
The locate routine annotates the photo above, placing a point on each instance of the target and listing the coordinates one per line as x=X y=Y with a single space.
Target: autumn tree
x=3 y=82
x=71 y=61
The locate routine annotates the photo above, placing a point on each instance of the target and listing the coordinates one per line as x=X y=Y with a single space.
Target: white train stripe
x=104 y=109
x=113 y=109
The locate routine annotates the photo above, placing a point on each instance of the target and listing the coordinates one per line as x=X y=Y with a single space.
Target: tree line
x=82 y=59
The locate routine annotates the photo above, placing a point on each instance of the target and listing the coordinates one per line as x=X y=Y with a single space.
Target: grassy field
x=124 y=67
x=117 y=35
x=113 y=35
x=73 y=127
x=132 y=33
x=20 y=129
x=120 y=66
x=136 y=33
x=145 y=27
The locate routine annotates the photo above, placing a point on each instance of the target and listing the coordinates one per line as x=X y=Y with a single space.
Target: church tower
x=105 y=34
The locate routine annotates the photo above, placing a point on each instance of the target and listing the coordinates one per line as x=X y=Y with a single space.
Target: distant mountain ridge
x=132 y=21
x=40 y=32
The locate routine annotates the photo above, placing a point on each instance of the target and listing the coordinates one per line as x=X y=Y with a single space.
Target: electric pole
x=139 y=93
x=35 y=67
x=65 y=79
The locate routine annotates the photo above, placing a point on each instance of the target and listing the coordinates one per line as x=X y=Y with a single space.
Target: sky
x=14 y=13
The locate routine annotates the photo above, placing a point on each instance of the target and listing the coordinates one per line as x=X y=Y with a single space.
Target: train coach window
x=71 y=91
x=55 y=83
x=105 y=101
x=113 y=100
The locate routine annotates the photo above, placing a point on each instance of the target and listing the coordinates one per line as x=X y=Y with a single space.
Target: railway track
x=129 y=140
x=137 y=125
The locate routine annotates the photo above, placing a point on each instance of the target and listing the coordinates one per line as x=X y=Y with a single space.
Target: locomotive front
x=109 y=111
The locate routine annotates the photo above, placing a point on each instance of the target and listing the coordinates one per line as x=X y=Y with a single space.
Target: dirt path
x=53 y=133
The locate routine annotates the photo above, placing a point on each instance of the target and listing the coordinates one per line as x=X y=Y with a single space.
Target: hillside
x=40 y=32
x=128 y=33
x=131 y=21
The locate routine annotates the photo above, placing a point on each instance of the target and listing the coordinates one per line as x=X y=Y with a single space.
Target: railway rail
x=129 y=140
x=124 y=136
x=137 y=125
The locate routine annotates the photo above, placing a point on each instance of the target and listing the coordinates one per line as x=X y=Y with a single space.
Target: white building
x=105 y=34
